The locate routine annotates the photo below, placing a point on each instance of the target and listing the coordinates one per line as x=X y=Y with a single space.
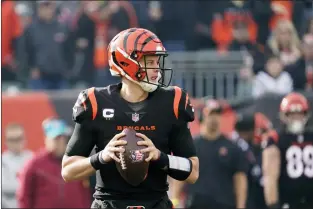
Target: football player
x=142 y=101
x=250 y=130
x=223 y=181
x=288 y=163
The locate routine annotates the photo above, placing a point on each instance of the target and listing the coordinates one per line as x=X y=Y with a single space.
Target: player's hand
x=154 y=153
x=109 y=151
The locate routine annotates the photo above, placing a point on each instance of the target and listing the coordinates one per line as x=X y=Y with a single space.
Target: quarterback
x=145 y=102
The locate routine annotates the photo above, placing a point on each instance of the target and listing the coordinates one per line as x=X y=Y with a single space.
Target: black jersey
x=101 y=113
x=296 y=174
x=219 y=160
x=253 y=154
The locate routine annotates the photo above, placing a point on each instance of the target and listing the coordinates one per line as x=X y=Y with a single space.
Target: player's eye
x=149 y=62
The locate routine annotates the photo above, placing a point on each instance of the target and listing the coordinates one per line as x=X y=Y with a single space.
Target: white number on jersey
x=300 y=161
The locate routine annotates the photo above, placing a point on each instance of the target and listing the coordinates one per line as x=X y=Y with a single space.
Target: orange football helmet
x=128 y=48
x=294 y=112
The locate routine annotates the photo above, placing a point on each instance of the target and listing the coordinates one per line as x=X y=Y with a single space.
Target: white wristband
x=100 y=158
x=179 y=163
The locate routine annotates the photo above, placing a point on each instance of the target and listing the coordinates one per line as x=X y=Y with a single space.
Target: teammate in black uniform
x=222 y=182
x=159 y=114
x=288 y=163
x=249 y=131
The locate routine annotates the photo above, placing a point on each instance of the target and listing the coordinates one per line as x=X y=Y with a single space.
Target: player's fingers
x=117 y=149
x=118 y=143
x=149 y=157
x=149 y=149
x=113 y=156
x=144 y=137
x=117 y=136
x=143 y=143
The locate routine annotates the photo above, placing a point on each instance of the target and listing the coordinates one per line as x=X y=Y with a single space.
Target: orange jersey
x=286 y=6
x=11 y=29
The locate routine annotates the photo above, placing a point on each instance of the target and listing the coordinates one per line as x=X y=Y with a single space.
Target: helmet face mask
x=295 y=121
x=138 y=55
x=164 y=75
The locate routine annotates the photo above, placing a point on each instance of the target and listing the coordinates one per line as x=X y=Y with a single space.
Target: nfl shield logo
x=135 y=117
x=136 y=156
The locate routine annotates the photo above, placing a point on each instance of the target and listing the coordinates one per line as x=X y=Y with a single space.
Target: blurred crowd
x=33 y=180
x=57 y=45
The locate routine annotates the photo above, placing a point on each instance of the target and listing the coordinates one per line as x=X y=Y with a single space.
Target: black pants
x=164 y=202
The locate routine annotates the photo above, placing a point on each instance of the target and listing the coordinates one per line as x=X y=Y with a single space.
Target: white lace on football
x=122 y=159
x=179 y=163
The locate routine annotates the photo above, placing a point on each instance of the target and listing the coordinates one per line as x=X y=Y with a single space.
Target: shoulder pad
x=269 y=140
x=183 y=109
x=86 y=106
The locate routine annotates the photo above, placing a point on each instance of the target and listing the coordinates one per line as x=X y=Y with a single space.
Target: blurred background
x=247 y=54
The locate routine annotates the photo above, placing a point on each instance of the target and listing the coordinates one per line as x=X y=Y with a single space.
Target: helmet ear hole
x=140 y=75
x=134 y=55
x=124 y=64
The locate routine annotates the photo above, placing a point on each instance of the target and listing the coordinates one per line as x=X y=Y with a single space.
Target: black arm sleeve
x=240 y=163
x=82 y=141
x=181 y=141
x=84 y=136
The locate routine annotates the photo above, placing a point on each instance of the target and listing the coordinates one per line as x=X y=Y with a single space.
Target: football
x=133 y=167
